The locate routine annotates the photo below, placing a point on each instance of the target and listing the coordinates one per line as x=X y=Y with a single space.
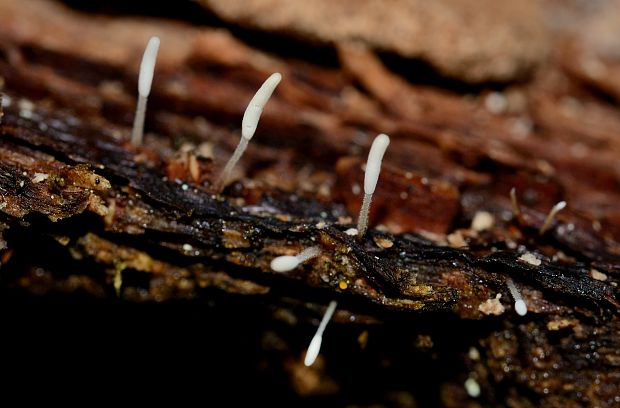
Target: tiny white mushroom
x=249 y=123
x=516 y=206
x=554 y=210
x=371 y=176
x=472 y=387
x=315 y=344
x=289 y=262
x=520 y=306
x=147 y=68
x=255 y=108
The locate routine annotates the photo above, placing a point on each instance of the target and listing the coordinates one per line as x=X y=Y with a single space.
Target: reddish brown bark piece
x=403 y=201
x=421 y=313
x=471 y=40
x=34 y=182
x=589 y=40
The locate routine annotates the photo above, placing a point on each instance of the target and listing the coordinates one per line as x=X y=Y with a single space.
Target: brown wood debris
x=425 y=316
x=451 y=35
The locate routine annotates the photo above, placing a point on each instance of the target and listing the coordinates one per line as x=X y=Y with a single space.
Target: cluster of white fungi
x=249 y=124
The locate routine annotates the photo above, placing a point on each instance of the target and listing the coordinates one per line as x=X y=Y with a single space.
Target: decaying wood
x=144 y=224
x=451 y=35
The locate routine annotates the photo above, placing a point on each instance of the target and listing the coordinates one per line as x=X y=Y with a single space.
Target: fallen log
x=87 y=216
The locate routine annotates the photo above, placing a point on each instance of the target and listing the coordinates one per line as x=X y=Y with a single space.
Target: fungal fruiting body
x=552 y=213
x=516 y=206
x=472 y=387
x=248 y=125
x=147 y=68
x=371 y=176
x=315 y=344
x=520 y=306
x=288 y=262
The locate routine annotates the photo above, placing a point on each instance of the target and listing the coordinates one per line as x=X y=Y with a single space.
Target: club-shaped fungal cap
x=248 y=126
x=371 y=176
x=313 y=350
x=287 y=262
x=147 y=67
x=373 y=165
x=315 y=344
x=559 y=206
x=520 y=307
x=551 y=216
x=257 y=104
x=284 y=263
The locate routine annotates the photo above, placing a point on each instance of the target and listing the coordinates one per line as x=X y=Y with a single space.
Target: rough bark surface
x=424 y=306
x=473 y=40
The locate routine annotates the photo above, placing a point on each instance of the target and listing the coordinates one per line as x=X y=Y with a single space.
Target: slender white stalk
x=362 y=221
x=315 y=344
x=516 y=206
x=225 y=174
x=145 y=80
x=137 y=131
x=371 y=176
x=287 y=262
x=520 y=306
x=554 y=210
x=249 y=123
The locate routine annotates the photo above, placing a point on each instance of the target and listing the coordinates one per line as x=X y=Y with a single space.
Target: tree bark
x=425 y=315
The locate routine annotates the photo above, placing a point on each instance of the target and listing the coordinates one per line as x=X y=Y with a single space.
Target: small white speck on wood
x=530 y=258
x=351 y=231
x=482 y=221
